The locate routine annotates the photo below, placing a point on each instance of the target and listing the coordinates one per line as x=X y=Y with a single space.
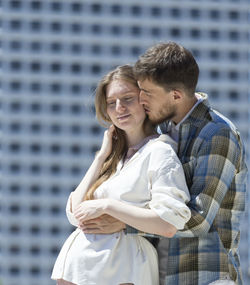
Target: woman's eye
x=110 y=103
x=128 y=98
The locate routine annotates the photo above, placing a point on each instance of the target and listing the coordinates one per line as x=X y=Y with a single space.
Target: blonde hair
x=119 y=143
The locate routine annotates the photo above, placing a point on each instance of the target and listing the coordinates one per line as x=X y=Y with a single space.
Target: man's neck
x=184 y=108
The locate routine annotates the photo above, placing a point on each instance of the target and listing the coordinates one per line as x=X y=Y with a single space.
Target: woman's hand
x=106 y=147
x=90 y=209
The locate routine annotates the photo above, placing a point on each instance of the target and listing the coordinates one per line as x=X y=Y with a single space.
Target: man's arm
x=218 y=182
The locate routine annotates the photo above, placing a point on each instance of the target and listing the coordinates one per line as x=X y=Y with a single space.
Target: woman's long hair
x=119 y=141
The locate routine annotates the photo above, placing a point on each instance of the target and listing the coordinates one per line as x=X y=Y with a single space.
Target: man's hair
x=170 y=65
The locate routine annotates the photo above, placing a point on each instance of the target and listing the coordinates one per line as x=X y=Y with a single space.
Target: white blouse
x=153 y=178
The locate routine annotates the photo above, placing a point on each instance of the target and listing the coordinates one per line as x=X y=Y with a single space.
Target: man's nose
x=141 y=97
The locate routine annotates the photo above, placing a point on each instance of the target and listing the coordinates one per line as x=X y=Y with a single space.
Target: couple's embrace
x=176 y=185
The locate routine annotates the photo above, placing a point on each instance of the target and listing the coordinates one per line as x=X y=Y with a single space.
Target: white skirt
x=107 y=259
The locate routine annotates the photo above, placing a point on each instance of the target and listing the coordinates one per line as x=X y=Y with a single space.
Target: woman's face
x=123 y=106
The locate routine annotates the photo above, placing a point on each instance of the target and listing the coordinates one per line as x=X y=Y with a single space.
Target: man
x=213 y=158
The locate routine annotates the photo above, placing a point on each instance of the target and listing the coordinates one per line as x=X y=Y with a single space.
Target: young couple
x=187 y=185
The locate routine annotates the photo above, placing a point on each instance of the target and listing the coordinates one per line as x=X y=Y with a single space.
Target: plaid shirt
x=213 y=158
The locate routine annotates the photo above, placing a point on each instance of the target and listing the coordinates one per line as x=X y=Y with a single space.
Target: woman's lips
x=122 y=117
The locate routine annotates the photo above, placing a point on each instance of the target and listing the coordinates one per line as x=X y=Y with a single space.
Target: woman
x=137 y=178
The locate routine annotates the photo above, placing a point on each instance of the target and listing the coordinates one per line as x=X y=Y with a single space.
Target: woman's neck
x=136 y=138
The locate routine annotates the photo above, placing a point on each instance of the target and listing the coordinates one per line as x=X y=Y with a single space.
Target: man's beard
x=164 y=116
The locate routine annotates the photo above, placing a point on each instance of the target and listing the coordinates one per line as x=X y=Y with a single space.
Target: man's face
x=158 y=103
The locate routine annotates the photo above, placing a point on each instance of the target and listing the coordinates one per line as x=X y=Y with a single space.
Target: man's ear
x=177 y=95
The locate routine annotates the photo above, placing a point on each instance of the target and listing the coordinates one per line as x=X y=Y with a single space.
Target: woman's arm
x=94 y=170
x=145 y=220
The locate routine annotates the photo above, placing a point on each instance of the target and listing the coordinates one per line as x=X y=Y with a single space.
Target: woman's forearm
x=145 y=220
x=87 y=181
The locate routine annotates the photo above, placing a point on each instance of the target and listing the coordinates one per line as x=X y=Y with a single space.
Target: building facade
x=53 y=54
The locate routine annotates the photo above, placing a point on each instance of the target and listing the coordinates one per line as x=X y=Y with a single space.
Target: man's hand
x=104 y=224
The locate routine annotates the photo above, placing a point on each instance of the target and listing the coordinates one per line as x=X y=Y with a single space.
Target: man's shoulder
x=218 y=124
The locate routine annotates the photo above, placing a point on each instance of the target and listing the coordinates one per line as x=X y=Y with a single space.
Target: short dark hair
x=170 y=65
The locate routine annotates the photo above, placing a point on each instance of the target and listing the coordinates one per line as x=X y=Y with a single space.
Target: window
x=234 y=15
x=233 y=95
x=116 y=9
x=55 y=128
x=214 y=14
x=56 y=47
x=214 y=74
x=195 y=13
x=195 y=33
x=116 y=30
x=116 y=50
x=36 y=5
x=15 y=45
x=15 y=85
x=56 y=6
x=35 y=107
x=15 y=4
x=36 y=87
x=136 y=30
x=15 y=25
x=175 y=12
x=233 y=75
x=234 y=55
x=15 y=147
x=135 y=50
x=214 y=34
x=35 y=148
x=76 y=28
x=214 y=94
x=76 y=48
x=136 y=10
x=15 y=66
x=36 y=46
x=35 y=127
x=96 y=29
x=75 y=129
x=233 y=35
x=95 y=69
x=76 y=88
x=35 y=189
x=75 y=149
x=95 y=8
x=155 y=31
x=155 y=11
x=35 y=67
x=76 y=68
x=55 y=67
x=76 y=7
x=55 y=149
x=36 y=26
x=55 y=87
x=96 y=49
x=214 y=54
x=175 y=32
x=35 y=168
x=56 y=27
x=15 y=168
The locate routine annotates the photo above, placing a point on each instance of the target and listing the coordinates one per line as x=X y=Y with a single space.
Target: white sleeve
x=69 y=213
x=168 y=186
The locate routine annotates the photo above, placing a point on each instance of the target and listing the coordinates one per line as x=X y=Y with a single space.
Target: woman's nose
x=119 y=105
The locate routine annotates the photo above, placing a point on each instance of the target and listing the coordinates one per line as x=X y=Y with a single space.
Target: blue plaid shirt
x=213 y=158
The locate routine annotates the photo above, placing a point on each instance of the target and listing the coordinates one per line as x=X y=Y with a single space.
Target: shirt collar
x=200 y=98
x=133 y=149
